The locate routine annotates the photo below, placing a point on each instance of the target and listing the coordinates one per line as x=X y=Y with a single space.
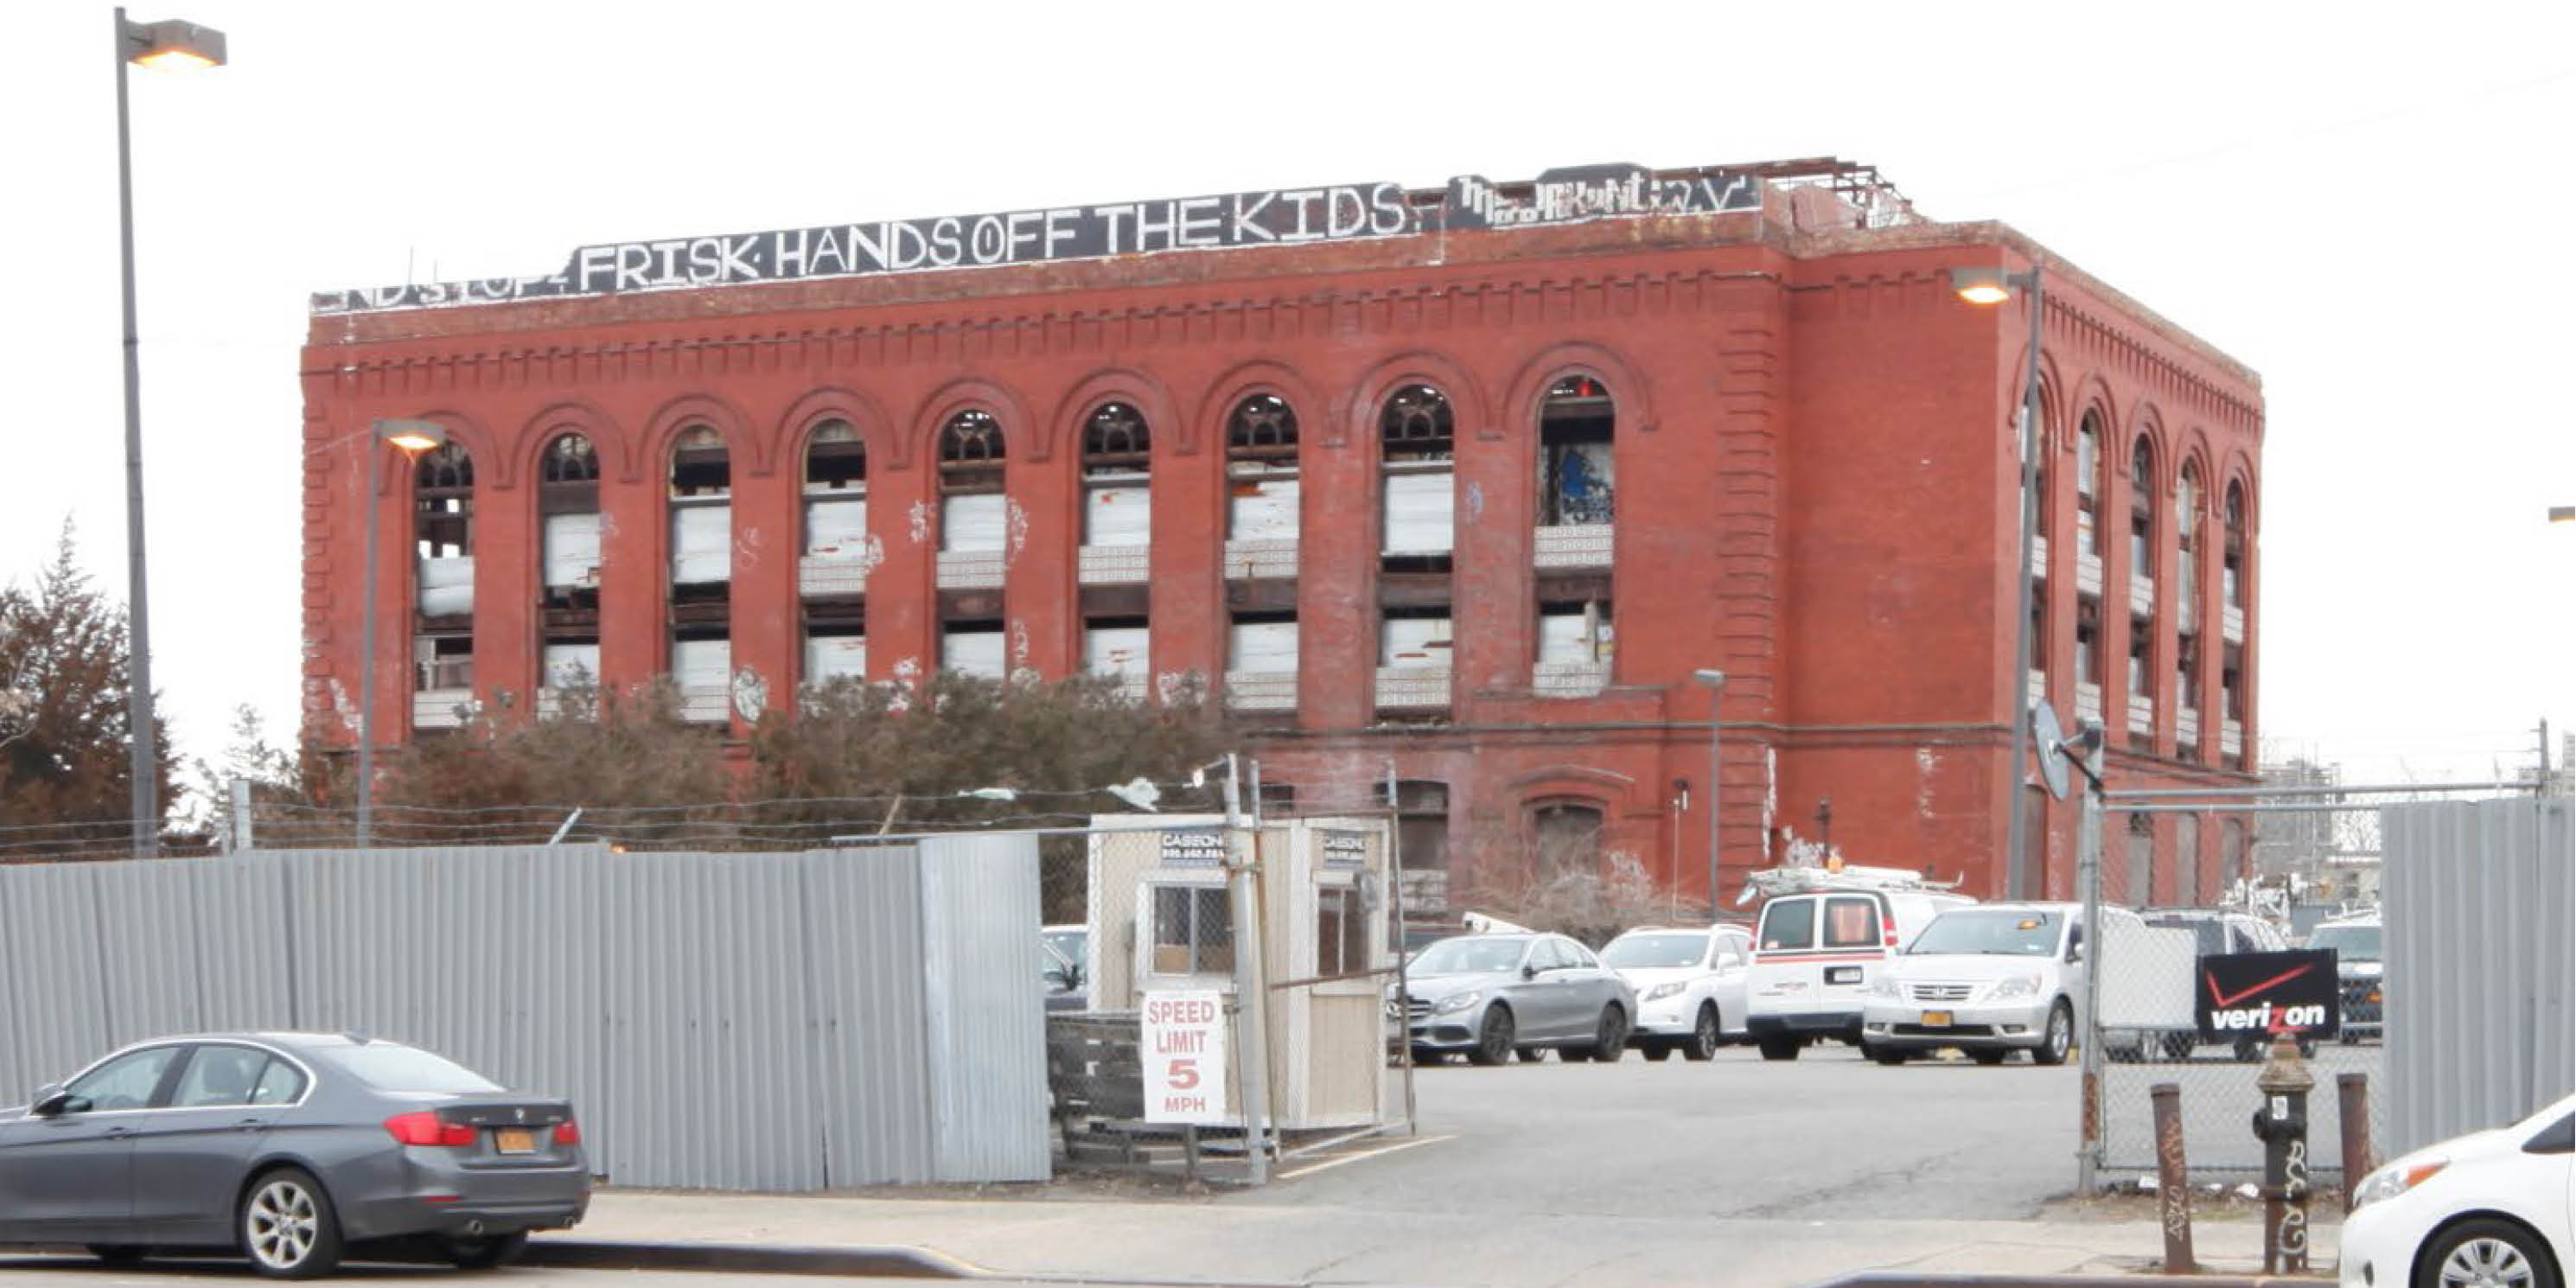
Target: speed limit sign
x=1184 y=1049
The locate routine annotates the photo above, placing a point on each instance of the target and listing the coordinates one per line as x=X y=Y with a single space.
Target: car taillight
x=567 y=1132
x=1889 y=925
x=426 y=1128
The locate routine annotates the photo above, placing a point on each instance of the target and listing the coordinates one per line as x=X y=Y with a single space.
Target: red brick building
x=1468 y=482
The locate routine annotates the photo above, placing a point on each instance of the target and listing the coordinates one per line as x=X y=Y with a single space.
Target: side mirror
x=50 y=1101
x=1529 y=972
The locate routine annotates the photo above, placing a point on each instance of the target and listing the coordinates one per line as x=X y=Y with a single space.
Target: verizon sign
x=2269 y=994
x=1184 y=1056
x=1275 y=217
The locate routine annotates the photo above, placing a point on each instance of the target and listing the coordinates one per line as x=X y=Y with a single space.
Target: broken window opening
x=2142 y=671
x=970 y=454
x=1117 y=475
x=2187 y=672
x=443 y=497
x=1575 y=427
x=2088 y=637
x=1565 y=838
x=1422 y=843
x=836 y=460
x=701 y=470
x=442 y=660
x=2142 y=510
x=2231 y=683
x=2088 y=484
x=2234 y=569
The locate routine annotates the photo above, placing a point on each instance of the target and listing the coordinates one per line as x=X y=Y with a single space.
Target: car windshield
x=1468 y=955
x=1633 y=952
x=388 y=1066
x=1069 y=943
x=2351 y=943
x=2003 y=932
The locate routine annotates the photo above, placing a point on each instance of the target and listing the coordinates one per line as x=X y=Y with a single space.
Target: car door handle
x=119 y=1133
x=252 y=1124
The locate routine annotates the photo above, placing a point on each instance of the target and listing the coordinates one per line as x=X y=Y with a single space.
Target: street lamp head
x=173 y=45
x=1983 y=285
x=1710 y=676
x=412 y=435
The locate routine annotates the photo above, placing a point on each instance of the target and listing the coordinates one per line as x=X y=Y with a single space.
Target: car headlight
x=2395 y=1179
x=1885 y=986
x=1457 y=1002
x=2015 y=986
x=1661 y=991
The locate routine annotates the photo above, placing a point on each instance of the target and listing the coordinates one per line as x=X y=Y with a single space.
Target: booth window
x=1193 y=930
x=1341 y=932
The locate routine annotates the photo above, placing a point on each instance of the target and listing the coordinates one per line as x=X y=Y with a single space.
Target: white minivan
x=1816 y=950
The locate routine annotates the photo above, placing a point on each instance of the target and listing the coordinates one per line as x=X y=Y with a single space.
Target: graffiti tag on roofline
x=1277 y=217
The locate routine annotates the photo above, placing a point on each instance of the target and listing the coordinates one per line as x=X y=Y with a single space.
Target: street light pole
x=158 y=44
x=413 y=437
x=1993 y=286
x=1715 y=680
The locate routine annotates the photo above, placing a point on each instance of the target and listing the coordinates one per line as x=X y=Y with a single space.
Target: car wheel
x=1656 y=1051
x=2060 y=1037
x=1705 y=1035
x=1780 y=1048
x=1493 y=1038
x=1889 y=1056
x=1988 y=1057
x=117 y=1254
x=486 y=1252
x=2488 y=1252
x=1610 y=1040
x=287 y=1226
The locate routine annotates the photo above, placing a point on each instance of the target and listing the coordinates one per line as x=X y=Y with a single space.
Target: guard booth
x=1162 y=919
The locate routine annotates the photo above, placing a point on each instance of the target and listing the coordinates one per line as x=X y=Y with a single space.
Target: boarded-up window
x=701 y=544
x=2196 y=892
x=1417 y=444
x=977 y=521
x=1262 y=646
x=1568 y=838
x=832 y=657
x=1117 y=477
x=1418 y=642
x=2138 y=887
x=1421 y=511
x=1262 y=508
x=974 y=650
x=572 y=550
x=1261 y=470
x=1118 y=649
x=836 y=529
x=701 y=663
x=570 y=666
x=1573 y=633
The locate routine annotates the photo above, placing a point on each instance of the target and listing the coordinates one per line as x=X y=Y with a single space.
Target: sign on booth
x=1184 y=1050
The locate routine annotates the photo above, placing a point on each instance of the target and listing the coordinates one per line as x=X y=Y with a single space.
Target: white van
x=1819 y=943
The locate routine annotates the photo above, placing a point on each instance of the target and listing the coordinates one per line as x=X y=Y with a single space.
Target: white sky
x=2362 y=203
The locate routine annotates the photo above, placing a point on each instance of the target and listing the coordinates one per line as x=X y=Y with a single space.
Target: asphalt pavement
x=82 y=1272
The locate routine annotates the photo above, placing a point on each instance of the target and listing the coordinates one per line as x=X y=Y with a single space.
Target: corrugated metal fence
x=2481 y=925
x=721 y=1021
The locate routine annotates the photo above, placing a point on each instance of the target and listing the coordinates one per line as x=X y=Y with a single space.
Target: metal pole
x=1252 y=1057
x=2173 y=1178
x=1716 y=700
x=367 y=653
x=2016 y=827
x=2088 y=850
x=143 y=733
x=2352 y=1108
x=1403 y=948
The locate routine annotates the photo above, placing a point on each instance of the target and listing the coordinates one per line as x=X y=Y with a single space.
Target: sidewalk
x=1243 y=1239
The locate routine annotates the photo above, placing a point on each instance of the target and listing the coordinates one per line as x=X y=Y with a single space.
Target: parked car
x=289 y=1147
x=1689 y=984
x=2220 y=931
x=1815 y=951
x=2491 y=1209
x=1990 y=980
x=1491 y=995
x=1062 y=980
x=2358 y=966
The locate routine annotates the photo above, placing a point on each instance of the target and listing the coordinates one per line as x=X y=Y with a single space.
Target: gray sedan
x=1493 y=994
x=289 y=1147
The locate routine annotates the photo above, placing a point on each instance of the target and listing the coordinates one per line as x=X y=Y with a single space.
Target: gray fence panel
x=245 y=957
x=987 y=1019
x=148 y=950
x=2477 y=899
x=49 y=918
x=869 y=1016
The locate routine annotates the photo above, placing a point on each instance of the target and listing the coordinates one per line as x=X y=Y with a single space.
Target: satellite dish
x=2048 y=744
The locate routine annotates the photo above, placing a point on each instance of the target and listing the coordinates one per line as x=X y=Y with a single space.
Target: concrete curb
x=747 y=1258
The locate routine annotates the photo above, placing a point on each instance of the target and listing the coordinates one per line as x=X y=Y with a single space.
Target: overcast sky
x=2368 y=212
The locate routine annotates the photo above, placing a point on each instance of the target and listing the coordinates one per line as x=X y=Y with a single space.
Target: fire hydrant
x=2282 y=1125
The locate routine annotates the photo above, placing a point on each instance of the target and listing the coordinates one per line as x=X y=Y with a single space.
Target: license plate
x=1936 y=1019
x=1842 y=974
x=514 y=1140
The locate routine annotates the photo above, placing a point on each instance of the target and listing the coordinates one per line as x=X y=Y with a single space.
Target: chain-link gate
x=2141 y=1025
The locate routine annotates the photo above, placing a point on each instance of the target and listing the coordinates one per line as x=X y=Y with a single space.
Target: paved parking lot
x=1828 y=1135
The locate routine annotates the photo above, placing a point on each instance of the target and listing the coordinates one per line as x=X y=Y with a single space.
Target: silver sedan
x=289 y=1147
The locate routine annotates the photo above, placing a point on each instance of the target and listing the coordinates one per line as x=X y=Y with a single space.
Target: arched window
x=701 y=508
x=2187 y=540
x=2088 y=485
x=1261 y=480
x=1565 y=838
x=1418 y=448
x=1575 y=425
x=2142 y=510
x=1117 y=477
x=832 y=575
x=2232 y=576
x=443 y=500
x=443 y=539
x=568 y=508
x=973 y=514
